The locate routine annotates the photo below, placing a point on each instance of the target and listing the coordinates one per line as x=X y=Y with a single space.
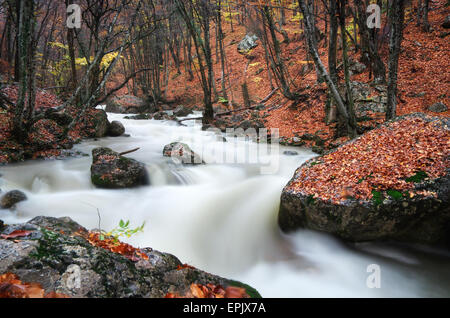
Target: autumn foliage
x=211 y=291
x=380 y=160
x=12 y=287
x=115 y=246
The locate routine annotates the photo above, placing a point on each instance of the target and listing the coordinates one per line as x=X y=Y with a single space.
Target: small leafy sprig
x=122 y=230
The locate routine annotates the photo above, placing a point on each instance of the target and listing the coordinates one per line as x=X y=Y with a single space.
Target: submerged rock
x=116 y=129
x=110 y=170
x=57 y=255
x=421 y=214
x=11 y=198
x=182 y=153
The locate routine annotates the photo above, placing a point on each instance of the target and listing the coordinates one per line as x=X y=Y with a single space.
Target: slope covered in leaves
x=387 y=158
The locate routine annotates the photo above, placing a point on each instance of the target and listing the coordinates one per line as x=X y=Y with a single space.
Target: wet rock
x=97 y=124
x=162 y=115
x=11 y=198
x=139 y=117
x=290 y=153
x=116 y=129
x=182 y=153
x=181 y=111
x=129 y=104
x=423 y=218
x=58 y=256
x=247 y=43
x=438 y=108
x=109 y=170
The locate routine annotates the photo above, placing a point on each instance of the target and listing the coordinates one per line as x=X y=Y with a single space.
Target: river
x=222 y=217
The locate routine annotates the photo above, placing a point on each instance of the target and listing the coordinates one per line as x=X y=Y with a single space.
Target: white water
x=221 y=218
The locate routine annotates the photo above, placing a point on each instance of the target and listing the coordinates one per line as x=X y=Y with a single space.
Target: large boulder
x=390 y=184
x=11 y=198
x=63 y=257
x=247 y=43
x=116 y=129
x=182 y=153
x=110 y=170
x=128 y=104
x=97 y=124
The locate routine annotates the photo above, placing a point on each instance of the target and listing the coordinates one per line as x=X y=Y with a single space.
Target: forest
x=292 y=146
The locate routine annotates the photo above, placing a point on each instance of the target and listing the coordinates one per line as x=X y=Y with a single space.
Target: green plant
x=223 y=100
x=418 y=177
x=396 y=195
x=377 y=197
x=122 y=230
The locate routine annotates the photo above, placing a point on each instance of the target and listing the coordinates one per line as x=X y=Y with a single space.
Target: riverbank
x=221 y=217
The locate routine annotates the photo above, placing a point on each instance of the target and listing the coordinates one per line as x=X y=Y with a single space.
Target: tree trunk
x=397 y=19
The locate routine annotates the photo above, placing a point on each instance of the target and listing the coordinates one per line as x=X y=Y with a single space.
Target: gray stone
x=11 y=198
x=116 y=129
x=109 y=170
x=247 y=43
x=181 y=111
x=182 y=153
x=128 y=104
x=438 y=108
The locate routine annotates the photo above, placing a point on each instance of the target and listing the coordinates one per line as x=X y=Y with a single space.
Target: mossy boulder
x=110 y=170
x=420 y=214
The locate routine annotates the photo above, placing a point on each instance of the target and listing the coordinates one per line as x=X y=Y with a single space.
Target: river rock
x=422 y=218
x=182 y=153
x=438 y=108
x=97 y=124
x=57 y=255
x=128 y=104
x=162 y=115
x=182 y=111
x=116 y=129
x=110 y=170
x=247 y=43
x=11 y=198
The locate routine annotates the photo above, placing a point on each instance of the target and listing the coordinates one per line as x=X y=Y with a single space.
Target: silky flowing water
x=221 y=217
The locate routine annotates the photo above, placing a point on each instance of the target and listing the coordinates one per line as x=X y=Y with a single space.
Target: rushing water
x=221 y=218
